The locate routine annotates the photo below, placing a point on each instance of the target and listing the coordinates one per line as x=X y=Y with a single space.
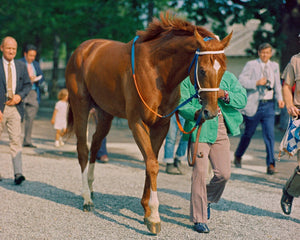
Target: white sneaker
x=56 y=144
x=61 y=143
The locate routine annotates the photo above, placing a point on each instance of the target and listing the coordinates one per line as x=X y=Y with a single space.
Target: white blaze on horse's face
x=217 y=66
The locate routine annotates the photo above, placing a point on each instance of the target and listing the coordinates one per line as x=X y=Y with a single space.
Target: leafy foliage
x=58 y=25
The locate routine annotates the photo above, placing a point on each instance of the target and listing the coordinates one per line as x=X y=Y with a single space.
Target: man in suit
x=14 y=86
x=261 y=78
x=31 y=102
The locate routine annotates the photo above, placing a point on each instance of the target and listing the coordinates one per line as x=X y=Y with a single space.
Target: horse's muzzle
x=209 y=114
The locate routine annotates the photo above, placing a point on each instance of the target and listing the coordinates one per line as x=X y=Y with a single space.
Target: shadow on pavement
x=226 y=205
x=104 y=203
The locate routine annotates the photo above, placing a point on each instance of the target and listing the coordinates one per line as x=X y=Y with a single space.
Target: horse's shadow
x=104 y=203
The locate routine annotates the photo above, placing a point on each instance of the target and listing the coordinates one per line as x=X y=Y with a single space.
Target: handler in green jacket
x=213 y=144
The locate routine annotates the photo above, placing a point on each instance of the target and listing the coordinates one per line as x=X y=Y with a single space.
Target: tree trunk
x=54 y=89
x=68 y=53
x=150 y=11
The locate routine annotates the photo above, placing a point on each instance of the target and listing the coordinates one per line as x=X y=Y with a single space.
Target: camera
x=268 y=85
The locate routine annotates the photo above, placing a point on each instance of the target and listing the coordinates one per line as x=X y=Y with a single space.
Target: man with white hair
x=14 y=87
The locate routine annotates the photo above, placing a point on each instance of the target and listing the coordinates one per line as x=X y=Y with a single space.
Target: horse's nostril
x=206 y=114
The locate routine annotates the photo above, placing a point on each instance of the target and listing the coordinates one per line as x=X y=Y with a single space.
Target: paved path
x=48 y=204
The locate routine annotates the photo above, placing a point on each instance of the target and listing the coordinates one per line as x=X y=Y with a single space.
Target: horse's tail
x=70 y=125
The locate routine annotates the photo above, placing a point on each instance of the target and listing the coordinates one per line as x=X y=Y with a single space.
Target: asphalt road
x=48 y=204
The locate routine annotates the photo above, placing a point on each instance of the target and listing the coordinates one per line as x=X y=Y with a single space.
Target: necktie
x=266 y=72
x=9 y=82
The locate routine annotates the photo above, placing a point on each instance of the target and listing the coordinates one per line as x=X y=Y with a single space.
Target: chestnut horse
x=100 y=73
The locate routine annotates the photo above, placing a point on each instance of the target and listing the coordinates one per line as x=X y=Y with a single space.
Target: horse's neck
x=174 y=61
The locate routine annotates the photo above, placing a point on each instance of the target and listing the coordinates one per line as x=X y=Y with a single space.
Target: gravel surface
x=48 y=204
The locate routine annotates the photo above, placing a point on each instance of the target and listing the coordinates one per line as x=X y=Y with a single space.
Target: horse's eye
x=202 y=72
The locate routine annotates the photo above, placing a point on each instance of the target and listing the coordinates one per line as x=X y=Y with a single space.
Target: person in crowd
x=31 y=102
x=102 y=155
x=291 y=77
x=213 y=145
x=59 y=117
x=14 y=86
x=173 y=164
x=260 y=77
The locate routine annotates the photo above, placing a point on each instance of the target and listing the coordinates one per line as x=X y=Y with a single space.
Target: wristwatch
x=226 y=97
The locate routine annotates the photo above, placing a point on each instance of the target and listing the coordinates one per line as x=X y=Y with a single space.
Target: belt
x=265 y=101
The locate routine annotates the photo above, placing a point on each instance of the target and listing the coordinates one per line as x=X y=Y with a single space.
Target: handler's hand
x=293 y=110
x=281 y=104
x=221 y=93
x=15 y=100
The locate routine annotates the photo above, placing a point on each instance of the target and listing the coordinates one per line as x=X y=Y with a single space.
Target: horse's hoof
x=88 y=207
x=152 y=227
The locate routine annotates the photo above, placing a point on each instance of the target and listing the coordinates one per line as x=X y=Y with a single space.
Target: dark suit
x=31 y=104
x=22 y=88
x=38 y=73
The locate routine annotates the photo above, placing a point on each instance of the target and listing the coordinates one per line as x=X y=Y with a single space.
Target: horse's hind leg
x=80 y=106
x=102 y=129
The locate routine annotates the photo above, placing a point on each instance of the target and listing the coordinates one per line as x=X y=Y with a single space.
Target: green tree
x=283 y=15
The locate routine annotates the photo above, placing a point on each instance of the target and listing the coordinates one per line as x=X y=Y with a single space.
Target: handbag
x=290 y=142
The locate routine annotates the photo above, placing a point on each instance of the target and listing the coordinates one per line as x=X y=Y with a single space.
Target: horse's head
x=207 y=72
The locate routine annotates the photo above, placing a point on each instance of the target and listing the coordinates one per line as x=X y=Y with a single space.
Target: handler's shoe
x=19 y=178
x=286 y=202
x=201 y=228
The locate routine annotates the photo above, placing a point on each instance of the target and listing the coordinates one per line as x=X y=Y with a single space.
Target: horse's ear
x=199 y=39
x=226 y=39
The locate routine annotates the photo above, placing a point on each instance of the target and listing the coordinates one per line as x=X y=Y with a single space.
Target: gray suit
x=248 y=78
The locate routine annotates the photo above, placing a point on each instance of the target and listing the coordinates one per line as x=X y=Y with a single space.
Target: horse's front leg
x=150 y=203
x=157 y=135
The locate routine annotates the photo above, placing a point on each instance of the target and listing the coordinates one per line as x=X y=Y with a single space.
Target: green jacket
x=233 y=118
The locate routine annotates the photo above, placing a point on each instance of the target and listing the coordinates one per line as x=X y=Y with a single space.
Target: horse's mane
x=168 y=23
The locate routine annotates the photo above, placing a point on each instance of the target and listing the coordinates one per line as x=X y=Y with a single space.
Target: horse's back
x=87 y=49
